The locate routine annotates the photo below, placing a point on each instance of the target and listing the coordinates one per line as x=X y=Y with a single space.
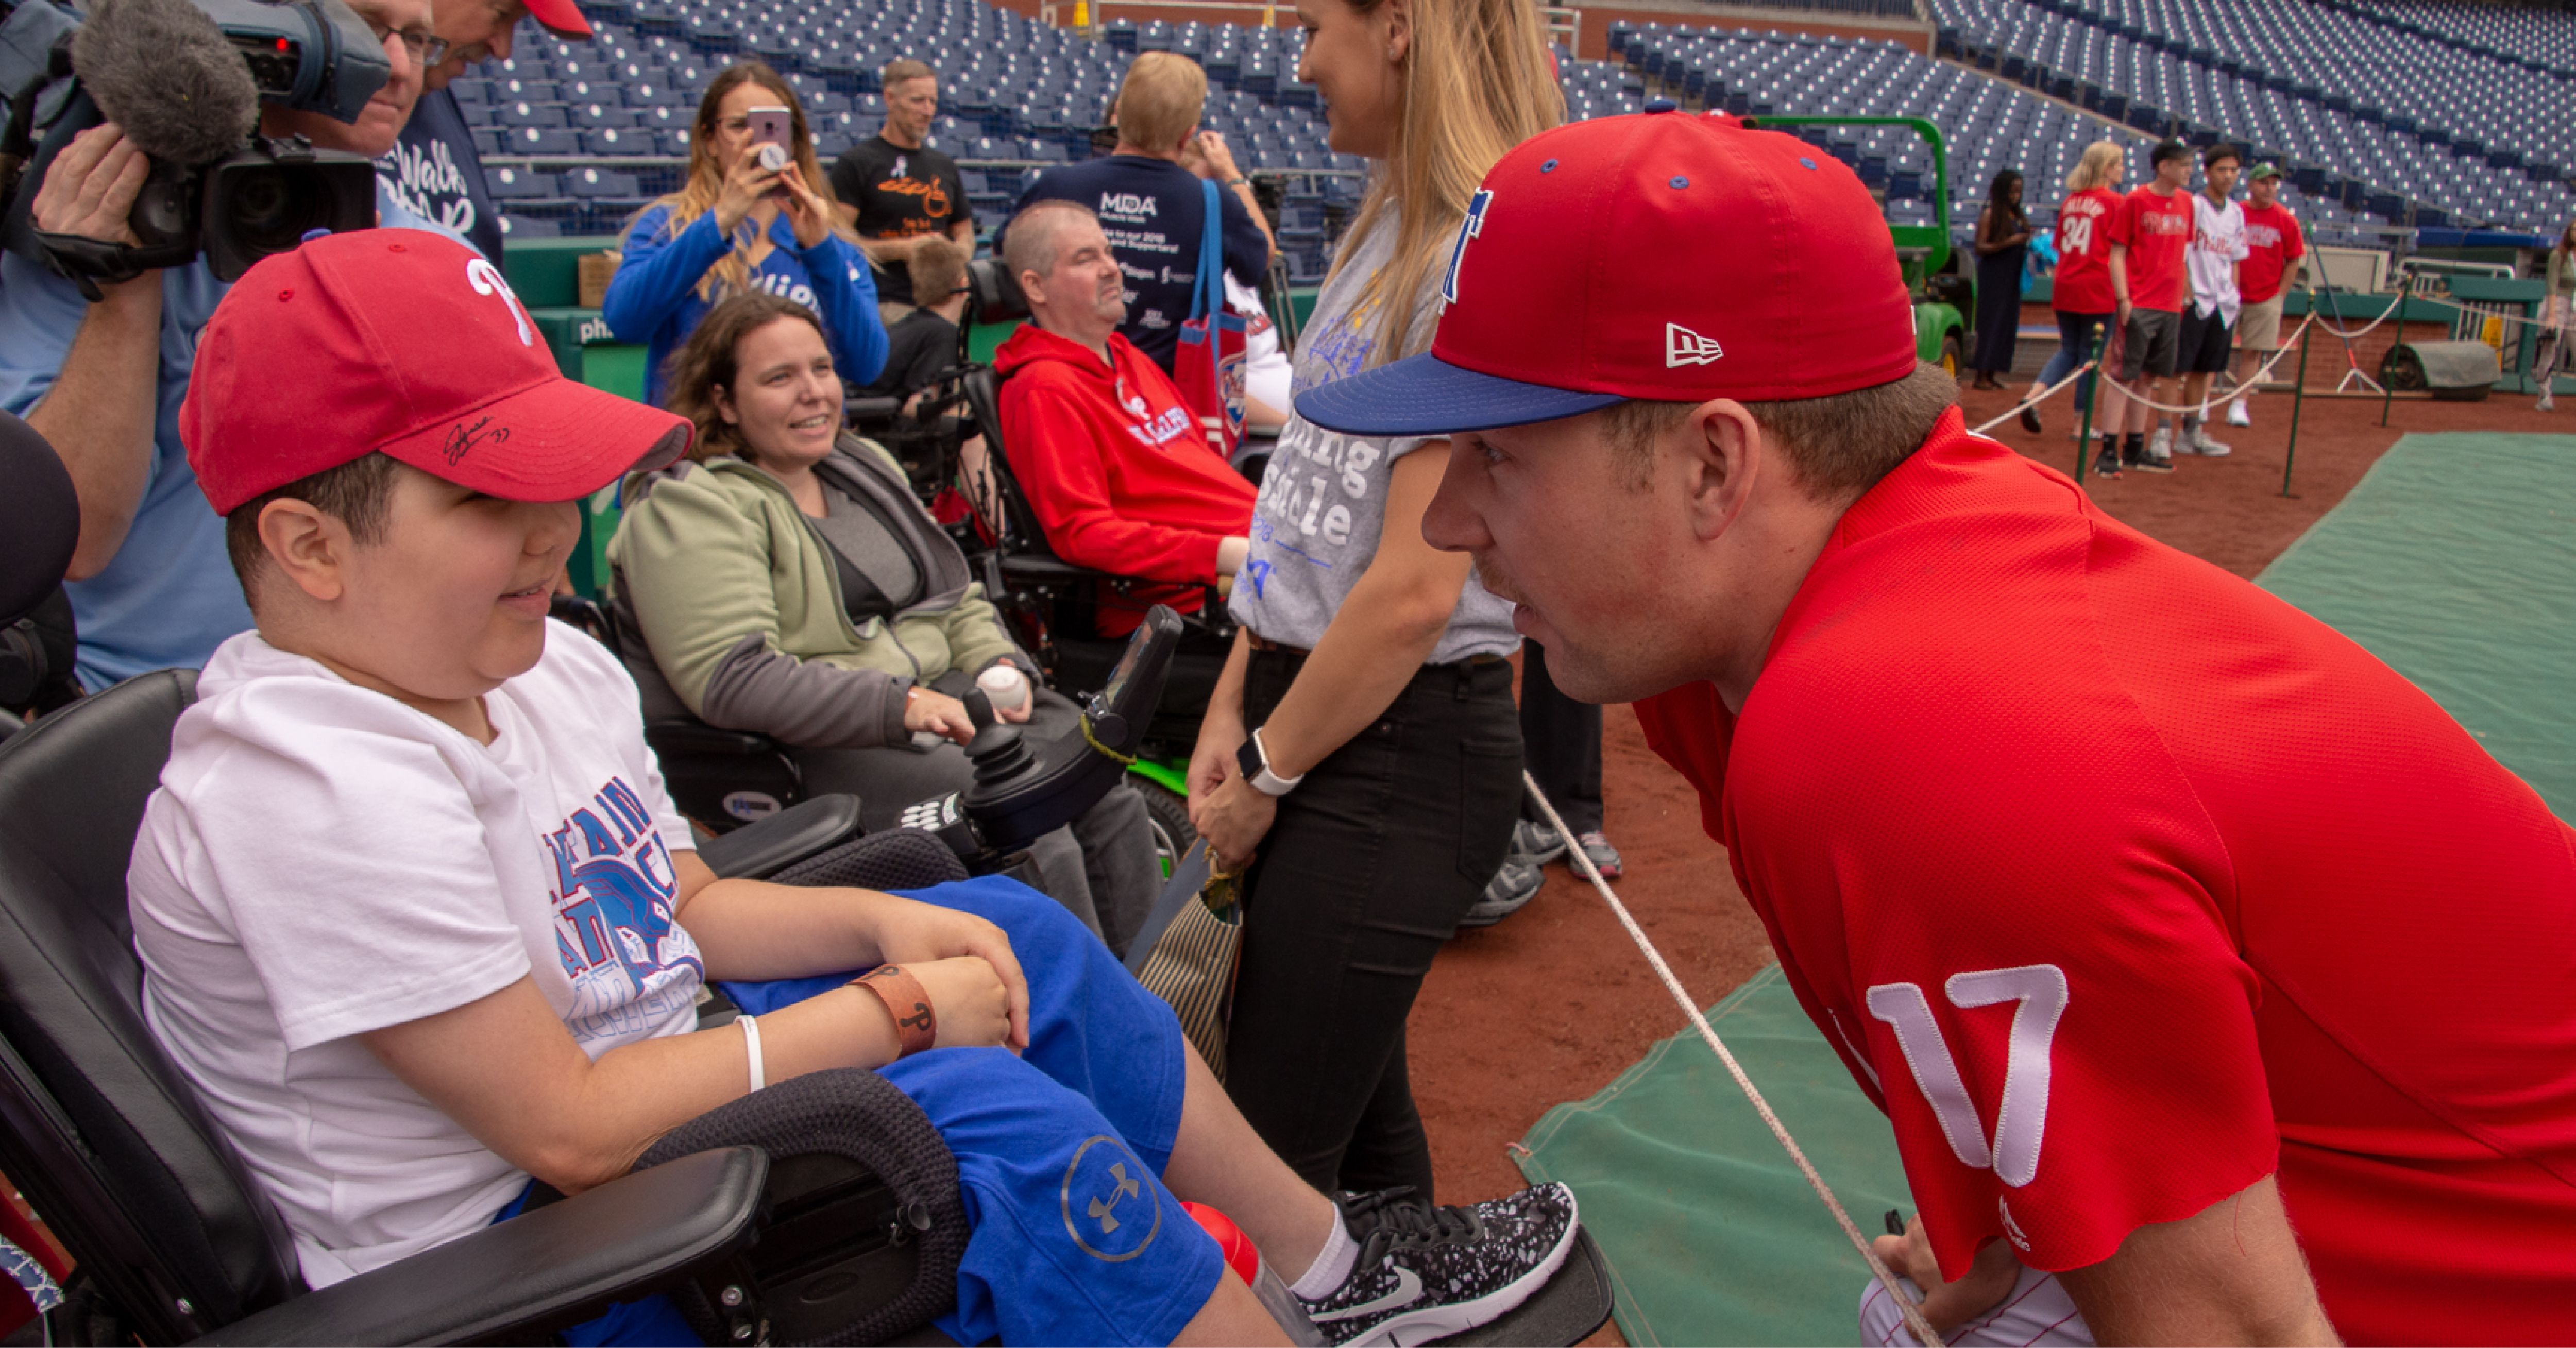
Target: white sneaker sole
x=1412 y=1328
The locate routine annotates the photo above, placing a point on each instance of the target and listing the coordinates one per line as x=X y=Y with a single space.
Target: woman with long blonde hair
x=744 y=221
x=1361 y=754
x=2081 y=292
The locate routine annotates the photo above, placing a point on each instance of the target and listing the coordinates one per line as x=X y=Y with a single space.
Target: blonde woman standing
x=738 y=225
x=1361 y=753
x=2081 y=291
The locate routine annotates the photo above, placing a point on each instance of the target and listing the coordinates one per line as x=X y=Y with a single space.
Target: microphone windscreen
x=164 y=72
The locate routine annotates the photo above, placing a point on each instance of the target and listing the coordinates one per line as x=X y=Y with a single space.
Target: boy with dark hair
x=2209 y=320
x=418 y=920
x=2149 y=289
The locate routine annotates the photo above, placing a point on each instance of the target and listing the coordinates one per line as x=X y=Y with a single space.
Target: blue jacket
x=653 y=299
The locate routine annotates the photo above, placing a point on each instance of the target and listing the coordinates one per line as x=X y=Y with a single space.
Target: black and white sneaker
x=1535 y=844
x=1425 y=1273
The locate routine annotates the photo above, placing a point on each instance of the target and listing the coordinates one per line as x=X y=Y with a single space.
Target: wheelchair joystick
x=1000 y=757
x=979 y=709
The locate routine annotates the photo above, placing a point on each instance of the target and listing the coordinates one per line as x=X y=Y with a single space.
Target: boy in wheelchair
x=422 y=928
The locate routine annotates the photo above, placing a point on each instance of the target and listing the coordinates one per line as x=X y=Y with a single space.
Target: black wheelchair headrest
x=39 y=519
x=994 y=293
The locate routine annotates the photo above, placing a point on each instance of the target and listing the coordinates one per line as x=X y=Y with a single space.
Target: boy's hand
x=969 y=1001
x=920 y=935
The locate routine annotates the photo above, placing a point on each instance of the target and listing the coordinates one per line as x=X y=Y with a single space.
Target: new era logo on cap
x=1584 y=242
x=1685 y=347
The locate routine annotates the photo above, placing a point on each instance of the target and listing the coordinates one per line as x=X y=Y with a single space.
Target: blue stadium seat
x=511 y=184
x=612 y=141
x=528 y=227
x=545 y=141
x=516 y=115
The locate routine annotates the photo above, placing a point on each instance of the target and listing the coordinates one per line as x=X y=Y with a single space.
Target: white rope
x=2260 y=375
x=1878 y=1269
x=2036 y=399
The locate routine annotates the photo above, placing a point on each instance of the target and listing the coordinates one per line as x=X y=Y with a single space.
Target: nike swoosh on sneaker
x=1408 y=1289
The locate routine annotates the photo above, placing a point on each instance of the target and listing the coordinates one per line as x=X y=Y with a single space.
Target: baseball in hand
x=1005 y=685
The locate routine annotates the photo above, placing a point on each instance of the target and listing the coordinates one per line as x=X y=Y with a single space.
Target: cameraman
x=150 y=581
x=434 y=169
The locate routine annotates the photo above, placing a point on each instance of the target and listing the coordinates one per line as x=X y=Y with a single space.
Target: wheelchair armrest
x=765 y=847
x=688 y=735
x=1035 y=569
x=554 y=1266
x=871 y=407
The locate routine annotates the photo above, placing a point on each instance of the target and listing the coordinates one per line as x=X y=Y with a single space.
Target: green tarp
x=1712 y=1235
x=2454 y=560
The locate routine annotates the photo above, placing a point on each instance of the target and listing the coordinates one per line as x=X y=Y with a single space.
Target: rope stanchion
x=2298 y=403
x=2084 y=433
x=1905 y=1305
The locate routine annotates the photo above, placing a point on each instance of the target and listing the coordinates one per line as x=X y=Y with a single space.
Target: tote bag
x=1209 y=364
x=1187 y=951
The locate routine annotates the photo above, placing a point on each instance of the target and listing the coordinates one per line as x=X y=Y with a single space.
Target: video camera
x=187 y=80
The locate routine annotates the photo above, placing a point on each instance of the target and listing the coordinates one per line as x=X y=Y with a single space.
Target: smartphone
x=770 y=125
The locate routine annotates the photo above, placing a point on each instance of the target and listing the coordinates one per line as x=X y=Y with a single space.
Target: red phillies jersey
x=2156 y=228
x=2272 y=243
x=2120 y=883
x=1118 y=470
x=2083 y=281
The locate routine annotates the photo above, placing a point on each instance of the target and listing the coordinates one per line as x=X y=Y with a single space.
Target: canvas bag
x=1187 y=950
x=1209 y=363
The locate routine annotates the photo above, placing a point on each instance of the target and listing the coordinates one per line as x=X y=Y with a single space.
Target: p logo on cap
x=1662 y=256
x=407 y=343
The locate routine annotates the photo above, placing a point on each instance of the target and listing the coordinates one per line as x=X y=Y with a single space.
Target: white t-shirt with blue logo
x=1322 y=508
x=321 y=861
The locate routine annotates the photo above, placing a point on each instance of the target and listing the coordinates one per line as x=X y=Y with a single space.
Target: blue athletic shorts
x=1059 y=1152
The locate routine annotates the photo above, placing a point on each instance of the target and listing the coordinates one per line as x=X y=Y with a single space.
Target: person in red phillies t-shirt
x=2148 y=289
x=1112 y=459
x=2215 y=982
x=2273 y=247
x=2081 y=289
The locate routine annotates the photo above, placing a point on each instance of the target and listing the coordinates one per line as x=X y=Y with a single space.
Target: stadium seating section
x=2388 y=112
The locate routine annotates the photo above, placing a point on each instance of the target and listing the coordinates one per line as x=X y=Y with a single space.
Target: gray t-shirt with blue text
x=1323 y=503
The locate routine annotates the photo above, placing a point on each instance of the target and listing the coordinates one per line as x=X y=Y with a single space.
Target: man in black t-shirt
x=433 y=169
x=1150 y=204
x=895 y=190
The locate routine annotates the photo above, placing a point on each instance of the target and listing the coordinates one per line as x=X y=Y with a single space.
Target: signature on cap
x=461 y=437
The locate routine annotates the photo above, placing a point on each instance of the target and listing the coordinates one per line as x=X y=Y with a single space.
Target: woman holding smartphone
x=1361 y=753
x=755 y=214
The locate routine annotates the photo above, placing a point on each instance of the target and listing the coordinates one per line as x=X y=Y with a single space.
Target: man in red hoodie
x=1109 y=453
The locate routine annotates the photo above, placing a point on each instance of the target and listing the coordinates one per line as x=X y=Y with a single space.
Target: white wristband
x=751 y=1042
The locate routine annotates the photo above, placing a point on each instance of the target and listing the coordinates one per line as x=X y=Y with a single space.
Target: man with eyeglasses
x=149 y=585
x=434 y=169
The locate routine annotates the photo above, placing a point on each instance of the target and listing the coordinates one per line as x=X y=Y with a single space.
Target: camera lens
x=268 y=209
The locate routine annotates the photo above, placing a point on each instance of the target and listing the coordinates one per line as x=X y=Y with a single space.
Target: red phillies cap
x=560 y=16
x=1660 y=256
x=409 y=343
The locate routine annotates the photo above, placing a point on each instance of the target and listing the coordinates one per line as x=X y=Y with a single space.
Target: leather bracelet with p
x=915 y=1024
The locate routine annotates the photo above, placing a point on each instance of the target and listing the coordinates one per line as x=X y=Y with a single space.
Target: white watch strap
x=1267 y=781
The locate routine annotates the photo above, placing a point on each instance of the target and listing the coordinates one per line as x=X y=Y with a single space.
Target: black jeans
x=1561 y=743
x=1372 y=861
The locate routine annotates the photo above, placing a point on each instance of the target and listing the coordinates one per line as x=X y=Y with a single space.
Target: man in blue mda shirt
x=1149 y=202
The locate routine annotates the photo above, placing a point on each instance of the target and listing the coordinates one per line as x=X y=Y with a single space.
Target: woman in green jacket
x=786 y=582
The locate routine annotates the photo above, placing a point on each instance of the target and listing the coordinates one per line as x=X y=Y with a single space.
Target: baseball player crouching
x=2218 y=986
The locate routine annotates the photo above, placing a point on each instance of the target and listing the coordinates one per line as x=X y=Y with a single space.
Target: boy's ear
x=310 y=548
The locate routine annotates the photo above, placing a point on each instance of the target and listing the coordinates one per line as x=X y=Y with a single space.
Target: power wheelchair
x=854 y=1240
x=722 y=778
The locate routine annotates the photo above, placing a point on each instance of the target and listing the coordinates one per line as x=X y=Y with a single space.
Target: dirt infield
x=1553 y=1003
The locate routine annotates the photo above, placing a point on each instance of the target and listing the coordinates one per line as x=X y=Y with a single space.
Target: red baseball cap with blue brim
x=1661 y=256
x=408 y=343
